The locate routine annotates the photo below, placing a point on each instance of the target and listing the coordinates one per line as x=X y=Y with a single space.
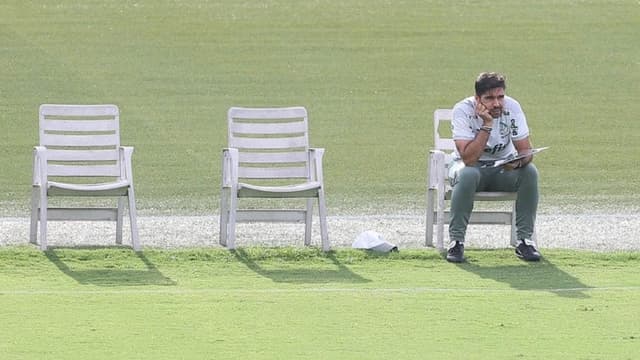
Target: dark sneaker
x=455 y=252
x=526 y=250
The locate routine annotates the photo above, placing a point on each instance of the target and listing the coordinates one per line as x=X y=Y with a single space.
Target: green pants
x=470 y=179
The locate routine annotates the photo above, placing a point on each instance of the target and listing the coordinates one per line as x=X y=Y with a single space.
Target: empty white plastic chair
x=79 y=155
x=269 y=157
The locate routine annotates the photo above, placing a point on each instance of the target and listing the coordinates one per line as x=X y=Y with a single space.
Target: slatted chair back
x=271 y=143
x=81 y=141
x=440 y=142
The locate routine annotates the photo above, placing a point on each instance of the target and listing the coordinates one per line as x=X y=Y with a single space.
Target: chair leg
x=133 y=220
x=224 y=216
x=440 y=221
x=322 y=214
x=33 y=229
x=514 y=229
x=119 y=218
x=307 y=222
x=231 y=228
x=43 y=218
x=429 y=219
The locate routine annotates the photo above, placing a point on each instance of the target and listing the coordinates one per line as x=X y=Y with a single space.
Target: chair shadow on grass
x=535 y=276
x=300 y=272
x=145 y=274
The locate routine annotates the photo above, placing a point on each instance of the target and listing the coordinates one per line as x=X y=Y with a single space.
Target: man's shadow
x=302 y=274
x=542 y=275
x=110 y=276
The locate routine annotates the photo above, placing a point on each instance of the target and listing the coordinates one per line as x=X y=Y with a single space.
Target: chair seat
x=305 y=189
x=109 y=189
x=496 y=196
x=489 y=195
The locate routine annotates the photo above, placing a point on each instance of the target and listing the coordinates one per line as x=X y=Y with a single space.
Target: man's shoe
x=455 y=252
x=526 y=250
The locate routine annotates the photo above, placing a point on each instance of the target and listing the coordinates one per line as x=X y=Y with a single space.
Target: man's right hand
x=483 y=112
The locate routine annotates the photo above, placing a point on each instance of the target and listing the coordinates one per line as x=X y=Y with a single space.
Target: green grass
x=371 y=72
x=300 y=303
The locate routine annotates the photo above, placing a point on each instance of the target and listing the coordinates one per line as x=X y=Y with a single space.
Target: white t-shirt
x=511 y=125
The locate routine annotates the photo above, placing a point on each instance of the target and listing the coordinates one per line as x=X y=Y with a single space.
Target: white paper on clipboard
x=523 y=155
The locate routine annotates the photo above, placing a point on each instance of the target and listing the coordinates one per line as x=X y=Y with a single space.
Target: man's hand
x=483 y=112
x=513 y=165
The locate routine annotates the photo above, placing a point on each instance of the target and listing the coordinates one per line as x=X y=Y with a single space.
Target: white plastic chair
x=269 y=157
x=439 y=189
x=80 y=156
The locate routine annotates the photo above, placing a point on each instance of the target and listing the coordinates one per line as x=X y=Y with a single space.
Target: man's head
x=490 y=87
x=489 y=80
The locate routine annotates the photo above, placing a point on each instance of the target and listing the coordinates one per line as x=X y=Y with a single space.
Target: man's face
x=493 y=100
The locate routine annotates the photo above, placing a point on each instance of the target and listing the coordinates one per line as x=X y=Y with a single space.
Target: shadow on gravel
x=109 y=274
x=301 y=272
x=535 y=276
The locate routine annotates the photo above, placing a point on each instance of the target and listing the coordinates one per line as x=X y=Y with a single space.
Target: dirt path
x=599 y=232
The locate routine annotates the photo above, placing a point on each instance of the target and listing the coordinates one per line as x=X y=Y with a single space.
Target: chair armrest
x=437 y=168
x=230 y=163
x=126 y=170
x=39 y=165
x=127 y=151
x=316 y=156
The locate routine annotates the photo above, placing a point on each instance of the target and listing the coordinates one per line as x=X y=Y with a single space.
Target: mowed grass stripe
x=311 y=290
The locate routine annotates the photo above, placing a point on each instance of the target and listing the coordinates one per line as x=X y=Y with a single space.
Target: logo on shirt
x=495 y=149
x=514 y=127
x=504 y=129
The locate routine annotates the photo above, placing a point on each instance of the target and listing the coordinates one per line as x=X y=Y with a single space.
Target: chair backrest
x=81 y=140
x=440 y=142
x=272 y=143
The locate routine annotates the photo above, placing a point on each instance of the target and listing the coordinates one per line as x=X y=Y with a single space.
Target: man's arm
x=471 y=150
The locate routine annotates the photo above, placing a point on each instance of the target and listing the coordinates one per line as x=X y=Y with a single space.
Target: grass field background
x=370 y=73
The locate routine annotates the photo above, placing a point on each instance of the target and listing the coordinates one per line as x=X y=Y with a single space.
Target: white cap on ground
x=371 y=240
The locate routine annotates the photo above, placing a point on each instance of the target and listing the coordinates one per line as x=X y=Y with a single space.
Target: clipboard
x=523 y=155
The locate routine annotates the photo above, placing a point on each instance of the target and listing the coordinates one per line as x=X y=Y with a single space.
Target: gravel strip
x=598 y=232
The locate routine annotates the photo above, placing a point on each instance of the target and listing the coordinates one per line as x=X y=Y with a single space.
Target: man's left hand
x=513 y=165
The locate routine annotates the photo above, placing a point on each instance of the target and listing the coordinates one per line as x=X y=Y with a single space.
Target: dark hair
x=489 y=80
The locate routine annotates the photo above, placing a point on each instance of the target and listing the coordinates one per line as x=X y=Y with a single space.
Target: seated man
x=487 y=127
